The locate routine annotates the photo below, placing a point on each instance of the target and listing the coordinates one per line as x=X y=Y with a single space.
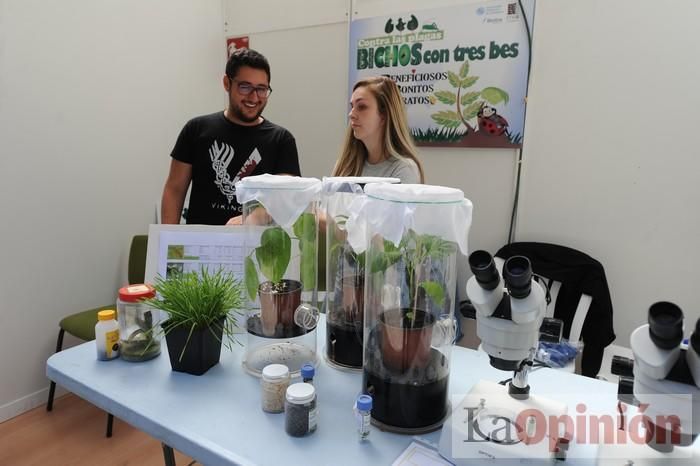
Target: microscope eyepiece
x=665 y=324
x=695 y=338
x=517 y=273
x=484 y=269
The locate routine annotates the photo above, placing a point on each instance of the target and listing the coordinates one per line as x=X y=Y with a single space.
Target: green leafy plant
x=199 y=301
x=467 y=104
x=341 y=247
x=416 y=251
x=275 y=252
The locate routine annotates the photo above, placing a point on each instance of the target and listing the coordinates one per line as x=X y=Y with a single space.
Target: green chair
x=82 y=324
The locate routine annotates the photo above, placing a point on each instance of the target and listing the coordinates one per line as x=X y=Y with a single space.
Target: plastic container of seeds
x=274 y=383
x=300 y=410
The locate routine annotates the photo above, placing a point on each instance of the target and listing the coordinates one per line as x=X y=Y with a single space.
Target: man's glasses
x=245 y=88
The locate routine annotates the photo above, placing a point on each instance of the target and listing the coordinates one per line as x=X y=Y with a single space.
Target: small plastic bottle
x=107 y=335
x=363 y=414
x=307 y=373
x=274 y=383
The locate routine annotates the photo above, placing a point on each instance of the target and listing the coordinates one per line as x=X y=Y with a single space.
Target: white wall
x=92 y=96
x=611 y=146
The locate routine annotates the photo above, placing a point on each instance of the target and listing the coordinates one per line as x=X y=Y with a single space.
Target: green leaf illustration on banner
x=468 y=108
x=447 y=118
x=469 y=82
x=494 y=95
x=453 y=79
x=472 y=110
x=467 y=98
x=447 y=97
x=464 y=70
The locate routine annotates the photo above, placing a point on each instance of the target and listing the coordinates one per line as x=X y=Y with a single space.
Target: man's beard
x=238 y=113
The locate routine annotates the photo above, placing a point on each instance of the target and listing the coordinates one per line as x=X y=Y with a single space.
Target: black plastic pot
x=203 y=349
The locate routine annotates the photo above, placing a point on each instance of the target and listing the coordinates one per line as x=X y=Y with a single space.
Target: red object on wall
x=235 y=43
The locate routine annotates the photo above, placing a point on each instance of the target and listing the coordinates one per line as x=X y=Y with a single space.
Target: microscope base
x=643 y=455
x=490 y=424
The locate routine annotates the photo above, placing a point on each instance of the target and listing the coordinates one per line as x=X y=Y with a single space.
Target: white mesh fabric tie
x=284 y=197
x=389 y=210
x=340 y=191
x=333 y=184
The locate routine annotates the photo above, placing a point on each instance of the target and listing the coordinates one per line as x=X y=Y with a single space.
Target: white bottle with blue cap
x=363 y=414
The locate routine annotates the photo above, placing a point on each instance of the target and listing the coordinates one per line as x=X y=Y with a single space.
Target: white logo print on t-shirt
x=221 y=157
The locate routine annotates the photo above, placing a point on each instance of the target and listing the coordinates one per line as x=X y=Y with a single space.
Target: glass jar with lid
x=139 y=330
x=280 y=269
x=345 y=271
x=411 y=236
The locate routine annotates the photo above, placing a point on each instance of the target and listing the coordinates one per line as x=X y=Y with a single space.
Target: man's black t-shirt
x=221 y=153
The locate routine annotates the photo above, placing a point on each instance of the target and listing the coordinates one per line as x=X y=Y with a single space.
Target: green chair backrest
x=137 y=259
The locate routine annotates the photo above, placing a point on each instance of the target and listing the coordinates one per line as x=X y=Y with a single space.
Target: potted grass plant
x=201 y=309
x=279 y=296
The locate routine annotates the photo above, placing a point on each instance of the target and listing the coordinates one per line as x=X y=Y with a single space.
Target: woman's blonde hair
x=397 y=137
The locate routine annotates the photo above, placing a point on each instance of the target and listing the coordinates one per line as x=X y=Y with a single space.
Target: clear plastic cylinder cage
x=345 y=273
x=410 y=236
x=280 y=269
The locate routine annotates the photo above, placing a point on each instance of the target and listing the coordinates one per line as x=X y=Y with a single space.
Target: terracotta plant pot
x=203 y=348
x=405 y=339
x=277 y=306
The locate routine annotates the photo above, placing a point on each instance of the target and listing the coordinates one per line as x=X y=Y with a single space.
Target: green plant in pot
x=280 y=297
x=201 y=309
x=348 y=283
x=345 y=304
x=406 y=331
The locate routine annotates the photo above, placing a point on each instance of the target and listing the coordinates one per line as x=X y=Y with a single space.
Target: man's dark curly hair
x=246 y=57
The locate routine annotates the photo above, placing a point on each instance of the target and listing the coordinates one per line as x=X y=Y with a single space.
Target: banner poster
x=462 y=69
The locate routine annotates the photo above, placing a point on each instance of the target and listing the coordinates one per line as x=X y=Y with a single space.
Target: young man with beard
x=214 y=151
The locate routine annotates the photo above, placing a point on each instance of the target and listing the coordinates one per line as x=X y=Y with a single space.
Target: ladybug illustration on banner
x=491 y=122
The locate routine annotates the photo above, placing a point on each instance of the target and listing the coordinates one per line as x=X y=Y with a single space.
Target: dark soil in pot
x=415 y=401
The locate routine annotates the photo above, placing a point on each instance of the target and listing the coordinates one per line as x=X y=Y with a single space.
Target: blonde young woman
x=378 y=141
